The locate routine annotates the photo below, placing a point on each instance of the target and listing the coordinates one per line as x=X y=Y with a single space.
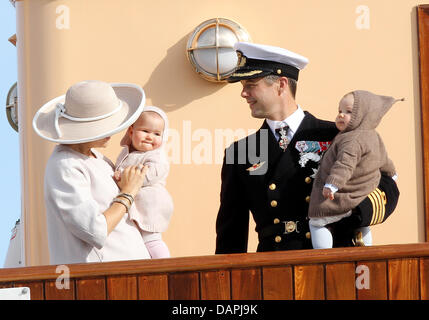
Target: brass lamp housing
x=210 y=48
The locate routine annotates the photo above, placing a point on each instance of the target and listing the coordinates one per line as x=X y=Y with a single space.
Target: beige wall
x=144 y=42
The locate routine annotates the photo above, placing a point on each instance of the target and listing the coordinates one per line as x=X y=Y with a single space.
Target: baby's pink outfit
x=153 y=205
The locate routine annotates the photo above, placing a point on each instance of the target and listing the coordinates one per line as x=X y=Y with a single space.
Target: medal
x=284 y=141
x=311 y=150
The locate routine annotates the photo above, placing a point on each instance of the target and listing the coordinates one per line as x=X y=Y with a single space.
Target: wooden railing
x=378 y=272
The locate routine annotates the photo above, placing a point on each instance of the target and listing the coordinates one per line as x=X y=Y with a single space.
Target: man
x=291 y=141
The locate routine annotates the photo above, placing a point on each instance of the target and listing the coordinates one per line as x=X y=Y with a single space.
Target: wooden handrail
x=423 y=47
x=225 y=261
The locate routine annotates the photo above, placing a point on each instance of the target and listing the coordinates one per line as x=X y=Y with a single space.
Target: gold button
x=276 y=221
x=274 y=203
x=307 y=198
x=278 y=239
x=307 y=180
x=279 y=71
x=272 y=186
x=308 y=235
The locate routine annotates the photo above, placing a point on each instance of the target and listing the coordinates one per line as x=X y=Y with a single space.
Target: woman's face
x=102 y=143
x=85 y=148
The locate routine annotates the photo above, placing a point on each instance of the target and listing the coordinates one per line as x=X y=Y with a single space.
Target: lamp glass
x=210 y=48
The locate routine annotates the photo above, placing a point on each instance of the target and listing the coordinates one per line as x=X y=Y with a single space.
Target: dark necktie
x=283 y=140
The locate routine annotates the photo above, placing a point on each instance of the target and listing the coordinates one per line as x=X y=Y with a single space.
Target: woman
x=86 y=209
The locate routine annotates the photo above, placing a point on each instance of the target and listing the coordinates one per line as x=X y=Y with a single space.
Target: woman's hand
x=132 y=178
x=130 y=181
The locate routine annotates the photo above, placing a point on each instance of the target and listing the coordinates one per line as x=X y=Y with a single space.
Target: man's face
x=262 y=97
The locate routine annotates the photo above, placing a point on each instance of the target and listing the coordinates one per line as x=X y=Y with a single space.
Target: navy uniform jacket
x=280 y=194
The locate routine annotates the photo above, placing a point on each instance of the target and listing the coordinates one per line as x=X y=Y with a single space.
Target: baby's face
x=345 y=109
x=146 y=132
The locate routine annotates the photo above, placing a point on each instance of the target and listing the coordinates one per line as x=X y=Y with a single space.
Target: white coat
x=78 y=189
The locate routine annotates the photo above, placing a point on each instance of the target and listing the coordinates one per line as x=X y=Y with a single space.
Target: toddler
x=351 y=167
x=153 y=205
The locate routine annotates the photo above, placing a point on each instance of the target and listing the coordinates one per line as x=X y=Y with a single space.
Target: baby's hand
x=117 y=175
x=328 y=194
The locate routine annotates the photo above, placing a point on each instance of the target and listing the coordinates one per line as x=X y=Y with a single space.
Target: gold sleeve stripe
x=380 y=213
x=382 y=205
x=378 y=200
x=374 y=208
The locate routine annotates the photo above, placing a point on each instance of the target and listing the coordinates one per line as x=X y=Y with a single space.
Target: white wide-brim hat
x=89 y=111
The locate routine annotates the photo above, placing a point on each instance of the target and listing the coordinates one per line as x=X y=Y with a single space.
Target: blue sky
x=9 y=140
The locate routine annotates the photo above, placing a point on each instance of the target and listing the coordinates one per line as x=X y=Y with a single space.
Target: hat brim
x=256 y=68
x=73 y=132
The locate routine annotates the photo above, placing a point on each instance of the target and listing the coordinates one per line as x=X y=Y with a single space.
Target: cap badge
x=241 y=60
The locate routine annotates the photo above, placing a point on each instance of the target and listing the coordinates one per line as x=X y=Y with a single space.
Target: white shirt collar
x=293 y=121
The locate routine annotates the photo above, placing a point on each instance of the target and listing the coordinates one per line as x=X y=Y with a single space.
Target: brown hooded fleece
x=354 y=160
